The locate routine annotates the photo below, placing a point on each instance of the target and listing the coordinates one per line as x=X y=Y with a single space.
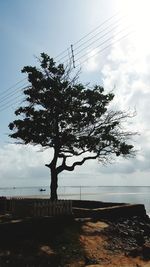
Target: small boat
x=42 y=189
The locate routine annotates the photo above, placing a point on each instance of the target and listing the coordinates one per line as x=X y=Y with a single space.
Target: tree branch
x=77 y=163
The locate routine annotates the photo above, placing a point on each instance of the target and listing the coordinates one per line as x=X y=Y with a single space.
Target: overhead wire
x=85 y=42
x=82 y=38
x=66 y=50
x=113 y=28
x=8 y=94
x=96 y=40
x=91 y=38
x=86 y=59
x=106 y=47
x=98 y=52
x=97 y=27
x=9 y=103
x=12 y=86
x=78 y=41
x=102 y=36
x=101 y=44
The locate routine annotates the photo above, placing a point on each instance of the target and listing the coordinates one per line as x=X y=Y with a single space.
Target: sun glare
x=138 y=16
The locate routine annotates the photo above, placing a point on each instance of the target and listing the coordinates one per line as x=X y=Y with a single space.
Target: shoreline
x=126 y=194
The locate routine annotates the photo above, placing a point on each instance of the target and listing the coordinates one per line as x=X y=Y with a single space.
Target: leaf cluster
x=69 y=117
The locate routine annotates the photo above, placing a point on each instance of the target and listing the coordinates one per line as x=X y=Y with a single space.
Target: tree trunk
x=54 y=184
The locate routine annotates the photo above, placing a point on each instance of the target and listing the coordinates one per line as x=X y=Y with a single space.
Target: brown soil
x=99 y=248
x=74 y=243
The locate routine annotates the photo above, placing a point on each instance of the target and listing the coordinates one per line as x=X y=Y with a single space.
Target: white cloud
x=23 y=165
x=92 y=62
x=128 y=70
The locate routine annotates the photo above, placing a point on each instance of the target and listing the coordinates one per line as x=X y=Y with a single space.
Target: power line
x=86 y=59
x=10 y=103
x=91 y=38
x=101 y=50
x=112 y=29
x=89 y=45
x=96 y=28
x=100 y=25
x=64 y=51
x=7 y=95
x=11 y=87
x=101 y=44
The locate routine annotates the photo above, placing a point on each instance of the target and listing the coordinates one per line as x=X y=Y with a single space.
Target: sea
x=120 y=194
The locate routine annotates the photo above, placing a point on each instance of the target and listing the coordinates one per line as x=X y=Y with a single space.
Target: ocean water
x=122 y=194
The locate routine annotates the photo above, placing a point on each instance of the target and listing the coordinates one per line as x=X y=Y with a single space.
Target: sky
x=111 y=46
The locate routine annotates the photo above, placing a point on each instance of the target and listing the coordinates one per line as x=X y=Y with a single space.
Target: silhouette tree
x=63 y=114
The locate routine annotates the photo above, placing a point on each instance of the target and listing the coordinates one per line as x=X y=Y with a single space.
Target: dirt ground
x=97 y=248
x=76 y=243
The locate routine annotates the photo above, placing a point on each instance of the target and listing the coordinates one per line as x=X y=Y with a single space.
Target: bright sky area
x=111 y=45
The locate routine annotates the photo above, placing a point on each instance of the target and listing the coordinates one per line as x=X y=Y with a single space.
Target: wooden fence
x=35 y=207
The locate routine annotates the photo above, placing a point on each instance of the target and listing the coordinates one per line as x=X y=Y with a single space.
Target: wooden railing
x=35 y=207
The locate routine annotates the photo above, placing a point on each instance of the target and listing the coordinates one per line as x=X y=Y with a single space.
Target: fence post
x=36 y=207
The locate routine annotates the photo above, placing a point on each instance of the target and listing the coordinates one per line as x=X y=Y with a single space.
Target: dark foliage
x=65 y=115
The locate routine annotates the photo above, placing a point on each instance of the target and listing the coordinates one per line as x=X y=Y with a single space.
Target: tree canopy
x=74 y=120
